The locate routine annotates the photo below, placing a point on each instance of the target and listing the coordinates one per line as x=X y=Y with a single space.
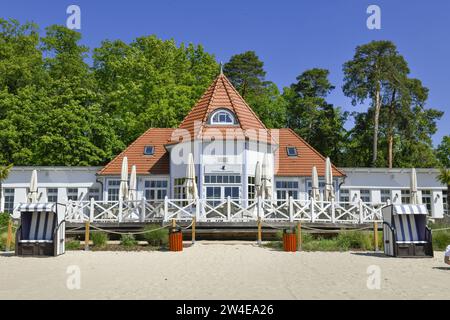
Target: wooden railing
x=228 y=210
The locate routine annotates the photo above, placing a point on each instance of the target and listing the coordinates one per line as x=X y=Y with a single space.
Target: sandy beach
x=225 y=270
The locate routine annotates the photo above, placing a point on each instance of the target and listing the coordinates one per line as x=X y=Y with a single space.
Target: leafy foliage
x=55 y=109
x=156 y=238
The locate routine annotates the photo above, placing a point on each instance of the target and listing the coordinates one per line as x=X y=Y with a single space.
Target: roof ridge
x=231 y=100
x=211 y=99
x=245 y=102
x=211 y=86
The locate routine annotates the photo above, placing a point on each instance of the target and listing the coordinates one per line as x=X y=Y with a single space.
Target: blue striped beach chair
x=41 y=231
x=405 y=231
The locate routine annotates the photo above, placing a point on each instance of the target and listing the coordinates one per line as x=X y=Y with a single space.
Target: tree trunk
x=376 y=126
x=391 y=132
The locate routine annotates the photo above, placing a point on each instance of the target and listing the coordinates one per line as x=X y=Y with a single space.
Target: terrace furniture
x=405 y=231
x=42 y=230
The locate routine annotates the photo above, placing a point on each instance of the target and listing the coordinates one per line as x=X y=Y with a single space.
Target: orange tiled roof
x=300 y=165
x=222 y=95
x=158 y=163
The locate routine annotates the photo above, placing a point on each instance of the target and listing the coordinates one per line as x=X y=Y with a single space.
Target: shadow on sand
x=442 y=268
x=371 y=254
x=7 y=254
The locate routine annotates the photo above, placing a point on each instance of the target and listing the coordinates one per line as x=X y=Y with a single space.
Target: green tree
x=444 y=178
x=375 y=67
x=443 y=152
x=312 y=117
x=150 y=82
x=246 y=73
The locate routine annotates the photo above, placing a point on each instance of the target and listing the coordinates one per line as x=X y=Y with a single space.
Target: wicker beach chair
x=41 y=231
x=405 y=231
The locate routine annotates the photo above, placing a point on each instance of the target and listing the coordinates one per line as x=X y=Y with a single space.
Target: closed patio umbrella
x=315 y=194
x=266 y=178
x=123 y=190
x=33 y=192
x=257 y=180
x=329 y=192
x=191 y=186
x=132 y=193
x=414 y=194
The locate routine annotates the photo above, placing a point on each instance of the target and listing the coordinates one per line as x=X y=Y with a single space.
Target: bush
x=99 y=239
x=441 y=239
x=156 y=238
x=4 y=219
x=354 y=240
x=3 y=240
x=128 y=240
x=72 y=244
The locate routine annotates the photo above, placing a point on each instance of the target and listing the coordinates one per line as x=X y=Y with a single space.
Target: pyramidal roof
x=222 y=95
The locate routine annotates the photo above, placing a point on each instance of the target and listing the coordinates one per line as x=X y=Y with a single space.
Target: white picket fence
x=228 y=210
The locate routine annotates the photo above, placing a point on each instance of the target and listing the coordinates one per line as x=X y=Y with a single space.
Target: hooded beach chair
x=405 y=231
x=42 y=230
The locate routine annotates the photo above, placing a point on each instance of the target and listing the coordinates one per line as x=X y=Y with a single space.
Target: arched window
x=223 y=117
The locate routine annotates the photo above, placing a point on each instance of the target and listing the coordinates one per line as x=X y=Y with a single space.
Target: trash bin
x=175 y=239
x=289 y=240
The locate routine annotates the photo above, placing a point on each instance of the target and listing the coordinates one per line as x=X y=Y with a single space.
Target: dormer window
x=149 y=150
x=222 y=117
x=292 y=151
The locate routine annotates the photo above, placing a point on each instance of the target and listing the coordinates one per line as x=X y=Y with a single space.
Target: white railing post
x=197 y=209
x=361 y=211
x=92 y=210
x=166 y=207
x=142 y=216
x=313 y=216
x=291 y=209
x=228 y=208
x=119 y=216
x=333 y=211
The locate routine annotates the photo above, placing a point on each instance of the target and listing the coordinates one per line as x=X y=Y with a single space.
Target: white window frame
x=52 y=192
x=71 y=194
x=113 y=196
x=218 y=113
x=9 y=198
x=159 y=191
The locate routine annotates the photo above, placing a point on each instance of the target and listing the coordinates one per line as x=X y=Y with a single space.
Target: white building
x=227 y=141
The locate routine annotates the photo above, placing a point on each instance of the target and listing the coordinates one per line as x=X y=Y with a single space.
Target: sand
x=230 y=270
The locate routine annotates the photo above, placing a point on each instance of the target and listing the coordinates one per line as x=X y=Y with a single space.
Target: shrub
x=128 y=240
x=3 y=238
x=354 y=240
x=441 y=239
x=99 y=239
x=4 y=219
x=72 y=244
x=156 y=238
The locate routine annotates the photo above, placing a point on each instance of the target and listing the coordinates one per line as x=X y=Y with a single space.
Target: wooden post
x=86 y=235
x=259 y=231
x=174 y=223
x=299 y=236
x=194 y=221
x=375 y=235
x=10 y=235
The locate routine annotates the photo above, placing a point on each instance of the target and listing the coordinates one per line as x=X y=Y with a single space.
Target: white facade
x=60 y=184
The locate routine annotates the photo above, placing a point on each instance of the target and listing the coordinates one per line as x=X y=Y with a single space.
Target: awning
x=37 y=207
x=410 y=209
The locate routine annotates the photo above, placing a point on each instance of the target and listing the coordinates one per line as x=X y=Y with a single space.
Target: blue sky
x=289 y=36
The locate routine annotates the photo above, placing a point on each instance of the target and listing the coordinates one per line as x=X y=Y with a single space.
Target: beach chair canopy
x=410 y=209
x=409 y=220
x=38 y=221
